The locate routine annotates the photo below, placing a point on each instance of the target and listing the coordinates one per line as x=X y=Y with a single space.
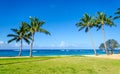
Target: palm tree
x=103 y=20
x=87 y=22
x=20 y=35
x=117 y=14
x=35 y=26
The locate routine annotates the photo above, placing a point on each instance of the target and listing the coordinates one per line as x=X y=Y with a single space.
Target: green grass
x=59 y=65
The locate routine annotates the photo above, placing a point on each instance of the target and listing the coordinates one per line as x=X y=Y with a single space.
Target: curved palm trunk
x=103 y=34
x=31 y=46
x=90 y=37
x=20 y=48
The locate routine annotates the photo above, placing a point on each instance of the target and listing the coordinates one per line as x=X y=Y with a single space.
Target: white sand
x=114 y=56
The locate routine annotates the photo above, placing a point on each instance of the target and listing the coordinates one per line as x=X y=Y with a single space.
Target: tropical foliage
x=20 y=35
x=111 y=44
x=87 y=22
x=117 y=13
x=101 y=21
x=36 y=26
x=27 y=32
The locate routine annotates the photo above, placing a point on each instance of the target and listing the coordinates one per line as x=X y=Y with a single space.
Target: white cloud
x=62 y=44
x=5 y=45
x=16 y=44
x=1 y=42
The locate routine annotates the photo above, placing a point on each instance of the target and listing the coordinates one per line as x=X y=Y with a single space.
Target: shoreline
x=113 y=56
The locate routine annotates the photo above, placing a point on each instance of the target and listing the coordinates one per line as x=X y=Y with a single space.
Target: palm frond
x=118 y=12
x=25 y=25
x=18 y=39
x=14 y=30
x=26 y=40
x=28 y=36
x=44 y=31
x=86 y=30
x=41 y=23
x=11 y=35
x=81 y=28
x=79 y=24
x=9 y=41
x=116 y=17
x=98 y=27
x=118 y=9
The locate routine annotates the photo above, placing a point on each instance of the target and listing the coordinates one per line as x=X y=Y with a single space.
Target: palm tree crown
x=19 y=35
x=85 y=23
x=35 y=26
x=102 y=20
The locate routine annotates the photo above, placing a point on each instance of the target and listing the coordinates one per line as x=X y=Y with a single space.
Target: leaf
x=26 y=40
x=11 y=35
x=86 y=30
x=81 y=28
x=18 y=39
x=12 y=40
x=116 y=17
x=14 y=30
x=44 y=31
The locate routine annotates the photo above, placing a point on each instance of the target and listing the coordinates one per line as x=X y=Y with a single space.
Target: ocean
x=54 y=52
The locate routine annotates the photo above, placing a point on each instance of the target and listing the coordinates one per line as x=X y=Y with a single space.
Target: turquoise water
x=55 y=52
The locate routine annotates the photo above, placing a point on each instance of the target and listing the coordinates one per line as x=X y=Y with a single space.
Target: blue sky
x=60 y=17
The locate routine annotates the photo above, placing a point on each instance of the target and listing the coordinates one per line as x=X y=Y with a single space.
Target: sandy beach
x=114 y=56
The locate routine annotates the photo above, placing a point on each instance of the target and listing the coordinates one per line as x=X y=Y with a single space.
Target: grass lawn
x=59 y=65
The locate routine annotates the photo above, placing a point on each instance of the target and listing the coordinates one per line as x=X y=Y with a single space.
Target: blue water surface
x=54 y=52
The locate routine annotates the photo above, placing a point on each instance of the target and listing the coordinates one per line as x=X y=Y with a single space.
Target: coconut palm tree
x=20 y=35
x=87 y=22
x=103 y=20
x=35 y=26
x=117 y=14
